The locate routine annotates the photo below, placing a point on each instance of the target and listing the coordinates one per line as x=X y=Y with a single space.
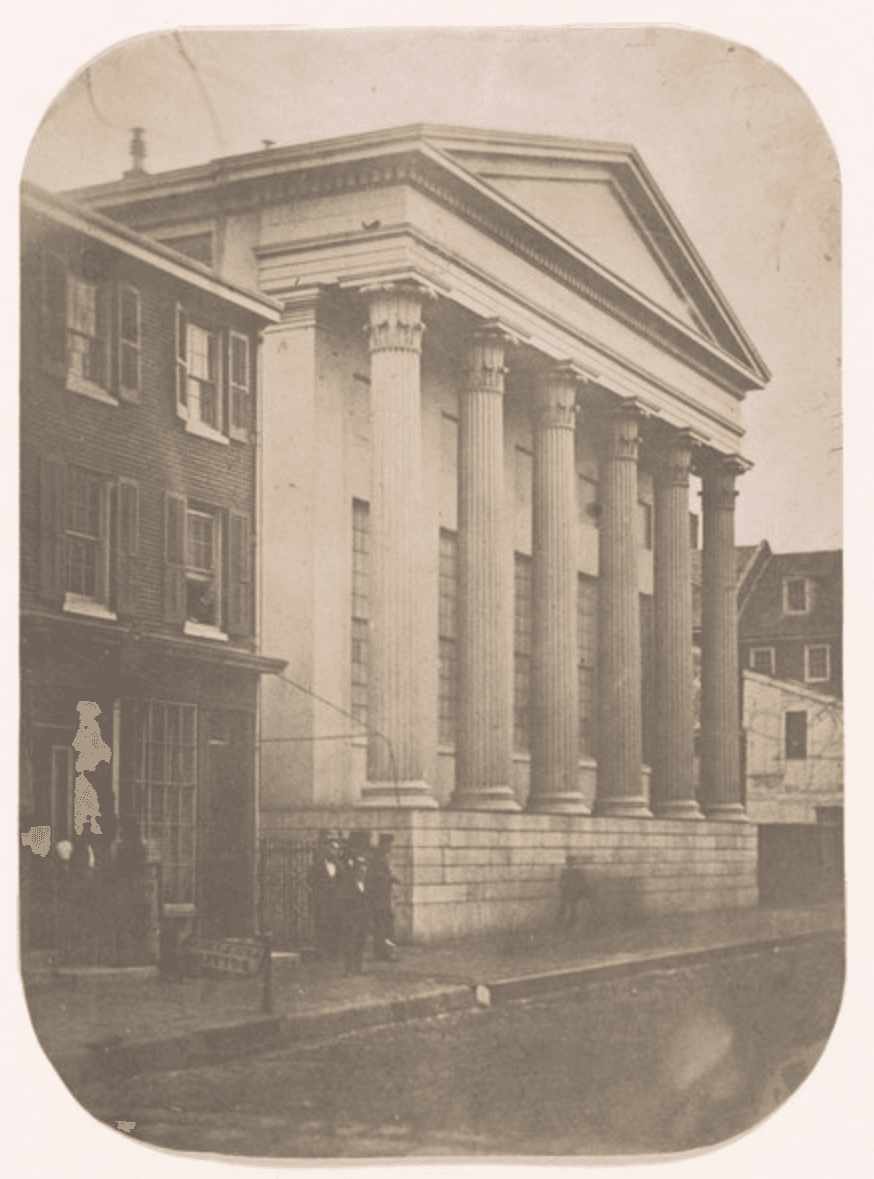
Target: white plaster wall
x=788 y=790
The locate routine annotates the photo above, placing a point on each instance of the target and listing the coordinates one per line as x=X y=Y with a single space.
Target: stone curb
x=528 y=985
x=213 y=1045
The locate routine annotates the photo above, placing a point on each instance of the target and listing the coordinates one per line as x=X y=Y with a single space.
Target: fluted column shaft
x=720 y=717
x=394 y=753
x=620 y=730
x=673 y=780
x=482 y=756
x=554 y=677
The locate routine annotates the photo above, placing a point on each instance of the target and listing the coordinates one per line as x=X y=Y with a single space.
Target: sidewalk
x=137 y=1022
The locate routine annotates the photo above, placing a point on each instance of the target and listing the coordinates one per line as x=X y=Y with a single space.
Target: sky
x=735 y=144
x=740 y=153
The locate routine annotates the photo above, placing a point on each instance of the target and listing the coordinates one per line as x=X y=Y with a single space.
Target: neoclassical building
x=499 y=360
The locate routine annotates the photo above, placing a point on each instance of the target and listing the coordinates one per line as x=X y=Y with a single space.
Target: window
x=817 y=663
x=796 y=595
x=163 y=787
x=240 y=377
x=448 y=640
x=86 y=550
x=208 y=569
x=360 y=608
x=95 y=350
x=202 y=583
x=88 y=538
x=199 y=400
x=796 y=736
x=762 y=660
x=522 y=655
x=587 y=654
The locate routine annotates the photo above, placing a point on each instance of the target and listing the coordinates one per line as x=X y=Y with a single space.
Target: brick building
x=498 y=361
x=138 y=546
x=790 y=620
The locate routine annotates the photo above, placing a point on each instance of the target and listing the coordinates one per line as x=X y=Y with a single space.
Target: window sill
x=78 y=604
x=185 y=909
x=204 y=431
x=200 y=630
x=81 y=385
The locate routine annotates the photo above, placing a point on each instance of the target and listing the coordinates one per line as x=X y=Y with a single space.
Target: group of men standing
x=351 y=890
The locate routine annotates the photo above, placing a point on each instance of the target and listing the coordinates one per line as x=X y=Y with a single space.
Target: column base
x=414 y=795
x=628 y=807
x=683 y=808
x=726 y=812
x=490 y=798
x=557 y=804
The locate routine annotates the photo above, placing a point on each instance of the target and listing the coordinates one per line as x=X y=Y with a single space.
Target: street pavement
x=668 y=1058
x=99 y=1023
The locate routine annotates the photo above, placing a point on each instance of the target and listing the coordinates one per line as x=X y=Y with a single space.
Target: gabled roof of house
x=69 y=213
x=591 y=207
x=749 y=561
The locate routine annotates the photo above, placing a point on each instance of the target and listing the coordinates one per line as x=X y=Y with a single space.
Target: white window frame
x=754 y=651
x=817 y=679
x=76 y=382
x=94 y=605
x=192 y=627
x=188 y=387
x=787 y=609
x=239 y=432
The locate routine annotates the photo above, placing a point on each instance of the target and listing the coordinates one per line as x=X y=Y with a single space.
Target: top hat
x=386 y=840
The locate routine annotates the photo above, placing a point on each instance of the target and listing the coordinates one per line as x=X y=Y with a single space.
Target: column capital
x=484 y=361
x=556 y=397
x=718 y=474
x=672 y=463
x=623 y=431
x=395 y=314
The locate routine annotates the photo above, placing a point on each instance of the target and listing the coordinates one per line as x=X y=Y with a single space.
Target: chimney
x=137 y=153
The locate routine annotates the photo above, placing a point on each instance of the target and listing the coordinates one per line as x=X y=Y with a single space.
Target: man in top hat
x=380 y=882
x=325 y=891
x=356 y=912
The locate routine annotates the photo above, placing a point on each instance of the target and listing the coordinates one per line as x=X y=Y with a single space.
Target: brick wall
x=144 y=442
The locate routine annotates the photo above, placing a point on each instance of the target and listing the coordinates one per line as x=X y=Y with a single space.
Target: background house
x=138 y=527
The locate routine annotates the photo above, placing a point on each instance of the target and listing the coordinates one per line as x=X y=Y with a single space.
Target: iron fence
x=285 y=907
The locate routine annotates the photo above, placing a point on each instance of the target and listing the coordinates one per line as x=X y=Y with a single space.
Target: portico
x=499 y=365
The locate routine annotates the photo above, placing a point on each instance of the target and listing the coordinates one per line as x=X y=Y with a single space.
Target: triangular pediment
x=591 y=216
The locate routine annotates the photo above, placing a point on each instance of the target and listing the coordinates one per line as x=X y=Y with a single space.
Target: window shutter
x=53 y=326
x=105 y=300
x=240 y=407
x=52 y=504
x=127 y=546
x=239 y=576
x=174 y=559
x=181 y=362
x=129 y=346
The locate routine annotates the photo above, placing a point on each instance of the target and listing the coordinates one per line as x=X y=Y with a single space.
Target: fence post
x=267 y=980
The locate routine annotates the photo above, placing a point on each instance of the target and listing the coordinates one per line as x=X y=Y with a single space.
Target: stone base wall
x=468 y=872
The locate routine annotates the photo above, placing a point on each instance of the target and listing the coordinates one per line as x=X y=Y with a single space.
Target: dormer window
x=796 y=595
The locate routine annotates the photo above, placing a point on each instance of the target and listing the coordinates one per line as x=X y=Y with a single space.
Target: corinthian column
x=554 y=683
x=394 y=754
x=482 y=758
x=673 y=781
x=619 y=790
x=720 y=716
